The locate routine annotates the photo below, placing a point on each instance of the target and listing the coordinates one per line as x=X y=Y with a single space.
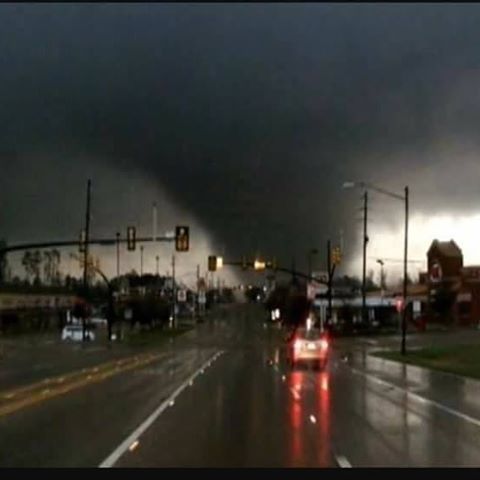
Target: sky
x=243 y=121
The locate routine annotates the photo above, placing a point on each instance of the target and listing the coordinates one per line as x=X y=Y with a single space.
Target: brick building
x=453 y=289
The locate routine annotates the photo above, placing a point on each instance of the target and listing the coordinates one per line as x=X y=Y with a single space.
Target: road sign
x=212 y=263
x=182 y=295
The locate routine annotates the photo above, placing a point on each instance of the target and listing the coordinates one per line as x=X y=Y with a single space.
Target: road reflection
x=309 y=396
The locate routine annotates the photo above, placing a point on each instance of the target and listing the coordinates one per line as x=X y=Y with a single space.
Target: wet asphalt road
x=222 y=396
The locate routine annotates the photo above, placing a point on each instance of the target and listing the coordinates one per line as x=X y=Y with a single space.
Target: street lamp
x=403 y=198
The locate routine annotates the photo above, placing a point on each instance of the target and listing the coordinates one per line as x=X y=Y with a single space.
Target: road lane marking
x=135 y=435
x=49 y=388
x=342 y=461
x=134 y=445
x=419 y=398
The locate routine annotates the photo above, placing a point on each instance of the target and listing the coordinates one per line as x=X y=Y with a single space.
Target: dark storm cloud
x=249 y=116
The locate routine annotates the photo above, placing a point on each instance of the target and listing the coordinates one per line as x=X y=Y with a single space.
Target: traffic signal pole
x=85 y=258
x=405 y=261
x=364 y=266
x=174 y=291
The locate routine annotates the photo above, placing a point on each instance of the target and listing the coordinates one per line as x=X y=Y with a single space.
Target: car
x=74 y=333
x=308 y=345
x=274 y=315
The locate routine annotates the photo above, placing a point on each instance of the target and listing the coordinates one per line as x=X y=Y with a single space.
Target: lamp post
x=404 y=198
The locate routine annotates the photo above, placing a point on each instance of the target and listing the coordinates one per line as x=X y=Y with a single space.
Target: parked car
x=74 y=333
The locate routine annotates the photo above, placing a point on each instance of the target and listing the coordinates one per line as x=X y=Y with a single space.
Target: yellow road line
x=38 y=392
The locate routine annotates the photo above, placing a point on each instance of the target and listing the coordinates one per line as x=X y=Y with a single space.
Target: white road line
x=419 y=398
x=342 y=461
x=133 y=437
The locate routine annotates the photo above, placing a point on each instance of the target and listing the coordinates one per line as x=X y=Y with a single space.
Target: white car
x=74 y=332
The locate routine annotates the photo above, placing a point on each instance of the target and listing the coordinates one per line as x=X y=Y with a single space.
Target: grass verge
x=459 y=359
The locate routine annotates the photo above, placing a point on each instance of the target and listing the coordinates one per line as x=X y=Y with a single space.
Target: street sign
x=182 y=295
x=212 y=263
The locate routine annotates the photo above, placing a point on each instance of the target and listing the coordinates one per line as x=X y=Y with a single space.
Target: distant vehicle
x=98 y=320
x=308 y=345
x=274 y=315
x=74 y=333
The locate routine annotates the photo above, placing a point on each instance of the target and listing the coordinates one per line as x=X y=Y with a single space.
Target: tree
x=370 y=284
x=36 y=261
x=27 y=262
x=383 y=279
x=47 y=267
x=56 y=256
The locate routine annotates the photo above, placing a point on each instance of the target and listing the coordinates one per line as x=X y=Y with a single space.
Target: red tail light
x=297 y=344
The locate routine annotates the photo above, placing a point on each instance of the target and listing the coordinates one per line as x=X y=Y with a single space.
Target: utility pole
x=118 y=254
x=365 y=241
x=197 y=305
x=405 y=273
x=154 y=221
x=141 y=260
x=85 y=257
x=174 y=291
x=157 y=258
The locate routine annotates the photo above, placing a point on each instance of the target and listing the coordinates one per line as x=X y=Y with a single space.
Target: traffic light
x=272 y=264
x=212 y=263
x=182 y=238
x=336 y=256
x=259 y=265
x=131 y=238
x=82 y=244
